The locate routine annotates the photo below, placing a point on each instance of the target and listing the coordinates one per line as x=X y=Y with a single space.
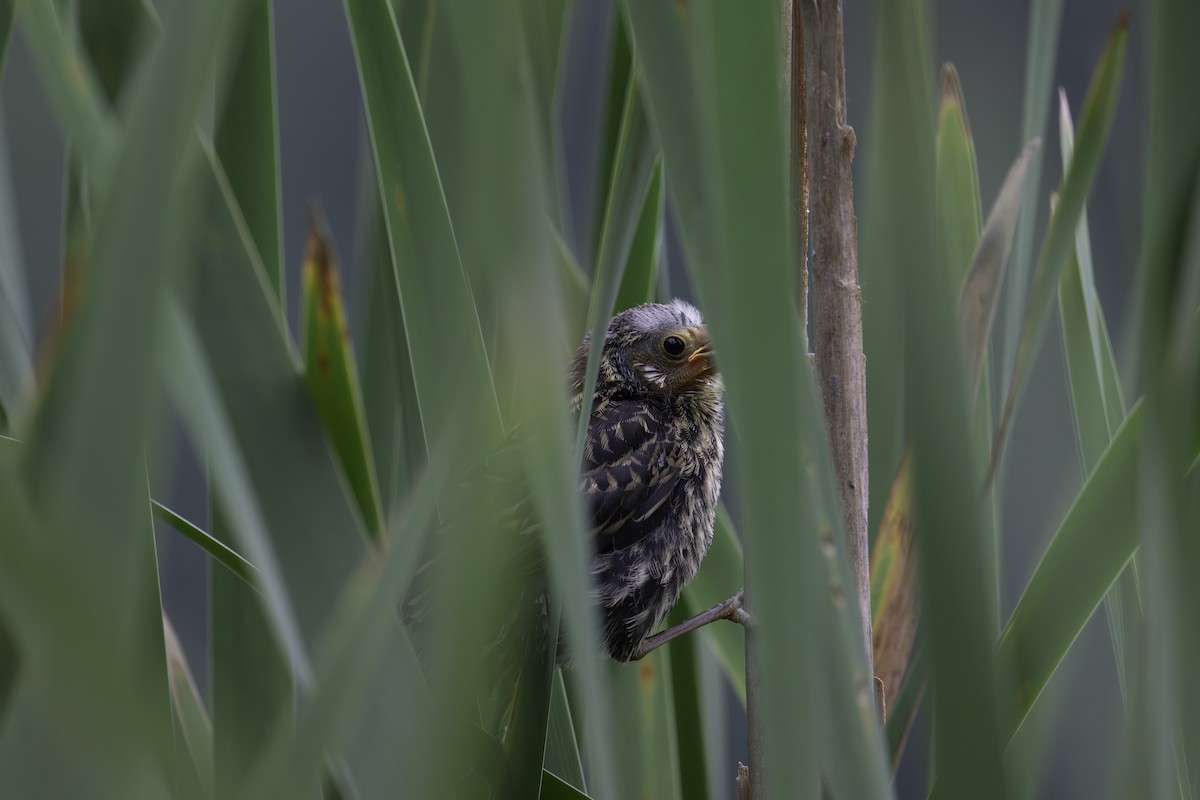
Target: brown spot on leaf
x=633 y=165
x=398 y=199
x=646 y=672
x=319 y=255
x=323 y=362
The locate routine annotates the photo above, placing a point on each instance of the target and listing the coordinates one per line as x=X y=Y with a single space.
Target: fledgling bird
x=650 y=477
x=651 y=464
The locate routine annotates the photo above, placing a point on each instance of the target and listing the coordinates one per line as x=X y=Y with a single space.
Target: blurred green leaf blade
x=246 y=139
x=1093 y=544
x=717 y=115
x=1099 y=109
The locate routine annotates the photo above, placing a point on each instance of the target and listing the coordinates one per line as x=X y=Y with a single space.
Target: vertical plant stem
x=835 y=293
x=799 y=114
x=794 y=100
x=755 y=785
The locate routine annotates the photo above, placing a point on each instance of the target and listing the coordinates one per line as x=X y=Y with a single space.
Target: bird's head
x=654 y=348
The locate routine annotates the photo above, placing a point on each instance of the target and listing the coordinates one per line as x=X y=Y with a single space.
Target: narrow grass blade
x=900 y=255
x=6 y=18
x=985 y=275
x=224 y=555
x=111 y=33
x=75 y=90
x=957 y=605
x=575 y=284
x=719 y=577
x=193 y=387
x=628 y=190
x=903 y=706
x=246 y=140
x=960 y=220
x=1045 y=19
x=555 y=788
x=16 y=341
x=331 y=373
x=1099 y=109
x=691 y=707
x=543 y=24
x=640 y=278
x=1170 y=354
x=363 y=653
x=108 y=353
x=959 y=215
x=1097 y=402
x=644 y=725
x=562 y=750
x=251 y=677
x=711 y=73
x=389 y=394
x=887 y=231
x=437 y=306
x=1088 y=551
x=16 y=330
x=620 y=65
x=189 y=709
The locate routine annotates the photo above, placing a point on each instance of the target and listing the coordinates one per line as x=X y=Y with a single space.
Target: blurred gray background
x=1075 y=731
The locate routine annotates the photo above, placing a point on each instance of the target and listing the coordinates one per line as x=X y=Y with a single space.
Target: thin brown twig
x=730 y=609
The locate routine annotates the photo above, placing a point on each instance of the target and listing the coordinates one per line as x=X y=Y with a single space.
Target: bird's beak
x=703 y=346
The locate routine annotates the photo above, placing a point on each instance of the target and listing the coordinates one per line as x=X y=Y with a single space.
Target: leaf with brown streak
x=331 y=373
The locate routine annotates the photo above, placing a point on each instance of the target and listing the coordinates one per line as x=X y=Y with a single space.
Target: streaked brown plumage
x=651 y=475
x=652 y=464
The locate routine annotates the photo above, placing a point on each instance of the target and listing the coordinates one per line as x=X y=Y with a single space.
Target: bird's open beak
x=703 y=351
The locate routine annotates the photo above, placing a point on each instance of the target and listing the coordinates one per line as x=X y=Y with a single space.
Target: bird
x=652 y=464
x=649 y=479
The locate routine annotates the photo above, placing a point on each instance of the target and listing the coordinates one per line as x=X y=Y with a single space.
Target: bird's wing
x=630 y=470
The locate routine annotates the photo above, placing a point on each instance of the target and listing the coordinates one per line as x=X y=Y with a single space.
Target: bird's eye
x=673 y=346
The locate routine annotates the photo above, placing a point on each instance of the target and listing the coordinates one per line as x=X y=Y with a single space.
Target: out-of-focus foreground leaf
x=246 y=140
x=109 y=357
x=715 y=108
x=1166 y=736
x=189 y=709
x=16 y=331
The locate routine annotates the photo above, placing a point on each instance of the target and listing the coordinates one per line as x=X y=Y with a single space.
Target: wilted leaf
x=981 y=288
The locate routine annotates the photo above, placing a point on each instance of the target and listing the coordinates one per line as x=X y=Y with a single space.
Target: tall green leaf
x=719 y=577
x=436 y=302
x=332 y=376
x=1168 y=707
x=363 y=653
x=1097 y=402
x=1045 y=19
x=108 y=356
x=712 y=72
x=1088 y=551
x=16 y=328
x=246 y=139
x=1098 y=112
